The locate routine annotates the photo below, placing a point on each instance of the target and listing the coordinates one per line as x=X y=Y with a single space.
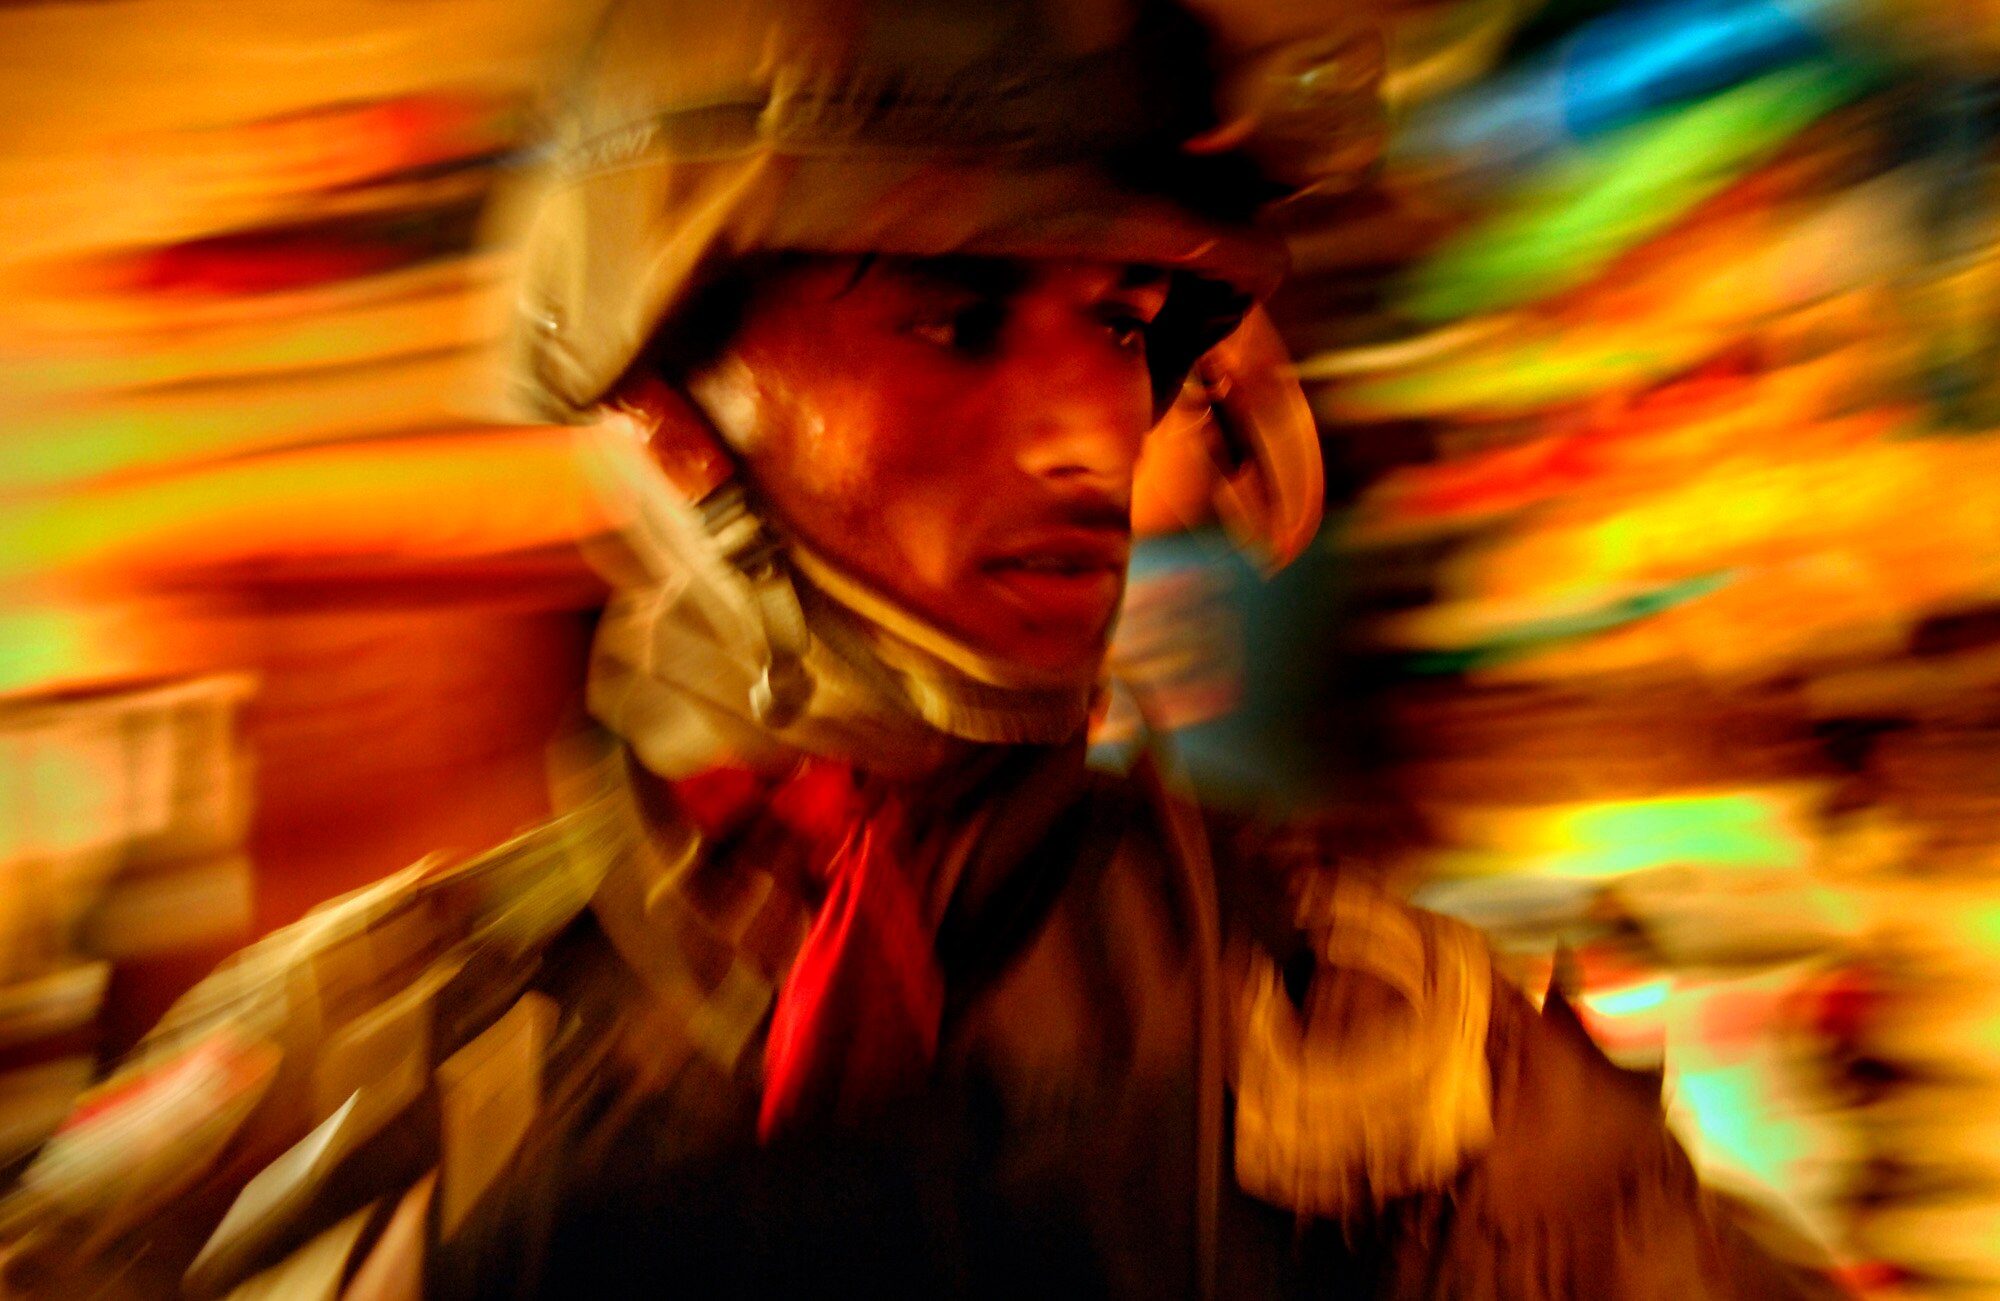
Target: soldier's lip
x=1079 y=597
x=1068 y=552
x=1075 y=578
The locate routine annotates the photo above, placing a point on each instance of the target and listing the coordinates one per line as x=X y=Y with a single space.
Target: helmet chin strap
x=741 y=640
x=784 y=686
x=923 y=636
x=691 y=455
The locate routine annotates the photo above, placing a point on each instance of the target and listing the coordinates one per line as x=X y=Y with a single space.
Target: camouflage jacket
x=536 y=1073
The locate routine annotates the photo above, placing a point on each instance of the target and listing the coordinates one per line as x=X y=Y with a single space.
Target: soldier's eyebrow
x=996 y=277
x=976 y=277
x=1138 y=276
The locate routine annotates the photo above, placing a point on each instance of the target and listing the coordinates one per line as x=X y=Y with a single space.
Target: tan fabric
x=354 y=985
x=706 y=131
x=394 y=1267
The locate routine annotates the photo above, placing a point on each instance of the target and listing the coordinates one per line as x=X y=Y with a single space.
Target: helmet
x=703 y=132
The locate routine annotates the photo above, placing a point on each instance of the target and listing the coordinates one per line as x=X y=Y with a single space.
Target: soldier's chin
x=1052 y=623
x=1054 y=654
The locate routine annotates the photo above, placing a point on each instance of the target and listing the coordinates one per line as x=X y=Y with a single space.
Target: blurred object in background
x=242 y=438
x=121 y=859
x=1657 y=380
x=1656 y=621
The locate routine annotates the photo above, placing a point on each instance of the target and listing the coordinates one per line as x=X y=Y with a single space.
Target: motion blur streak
x=1655 y=629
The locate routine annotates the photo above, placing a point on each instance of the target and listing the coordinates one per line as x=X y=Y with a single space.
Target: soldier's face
x=961 y=434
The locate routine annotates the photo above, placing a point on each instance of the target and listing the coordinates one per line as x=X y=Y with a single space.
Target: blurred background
x=1655 y=628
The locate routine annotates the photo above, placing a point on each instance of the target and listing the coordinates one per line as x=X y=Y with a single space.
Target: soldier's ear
x=683 y=444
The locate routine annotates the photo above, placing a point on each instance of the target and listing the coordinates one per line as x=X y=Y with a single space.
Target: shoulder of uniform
x=1560 y=1103
x=336 y=1012
x=349 y=952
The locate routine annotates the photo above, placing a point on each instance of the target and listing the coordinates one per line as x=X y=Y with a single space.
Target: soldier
x=843 y=969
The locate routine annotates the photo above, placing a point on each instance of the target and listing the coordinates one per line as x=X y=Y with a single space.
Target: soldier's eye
x=1127 y=332
x=969 y=329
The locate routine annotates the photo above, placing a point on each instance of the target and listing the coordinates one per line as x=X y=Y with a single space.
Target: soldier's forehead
x=1000 y=275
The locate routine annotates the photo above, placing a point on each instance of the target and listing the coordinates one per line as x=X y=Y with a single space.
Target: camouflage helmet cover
x=704 y=131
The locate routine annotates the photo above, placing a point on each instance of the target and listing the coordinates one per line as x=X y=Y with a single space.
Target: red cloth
x=856 y=1025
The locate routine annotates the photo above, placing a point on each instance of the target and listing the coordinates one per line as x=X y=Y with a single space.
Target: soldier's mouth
x=1051 y=564
x=1063 y=551
x=1060 y=587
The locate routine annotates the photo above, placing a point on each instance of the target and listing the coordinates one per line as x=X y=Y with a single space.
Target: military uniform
x=537 y=1073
